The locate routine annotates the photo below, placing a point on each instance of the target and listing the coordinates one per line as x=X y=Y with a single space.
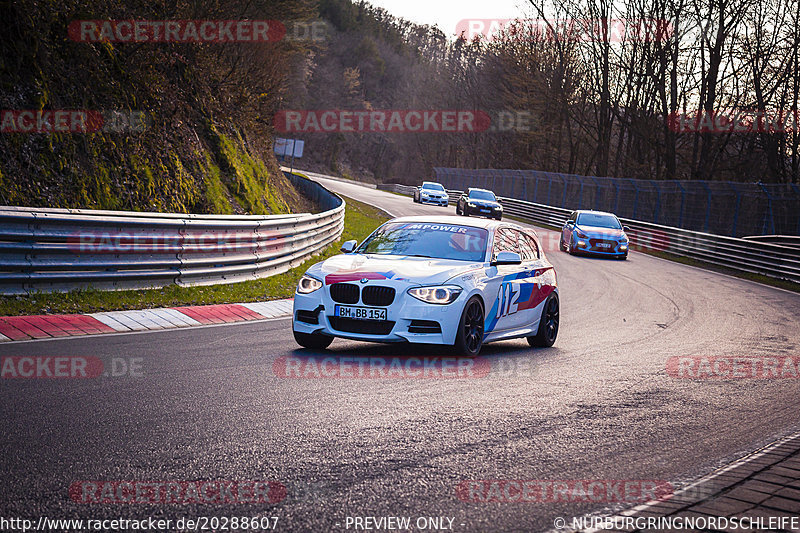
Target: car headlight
x=582 y=235
x=470 y=204
x=498 y=208
x=307 y=284
x=442 y=294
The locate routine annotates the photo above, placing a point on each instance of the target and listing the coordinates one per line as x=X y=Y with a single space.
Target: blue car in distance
x=594 y=233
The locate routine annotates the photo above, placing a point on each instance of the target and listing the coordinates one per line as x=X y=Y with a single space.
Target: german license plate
x=603 y=245
x=360 y=313
x=485 y=210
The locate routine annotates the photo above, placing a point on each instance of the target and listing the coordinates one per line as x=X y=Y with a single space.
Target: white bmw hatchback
x=438 y=280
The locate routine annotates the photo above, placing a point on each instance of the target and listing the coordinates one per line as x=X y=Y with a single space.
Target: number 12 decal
x=508 y=297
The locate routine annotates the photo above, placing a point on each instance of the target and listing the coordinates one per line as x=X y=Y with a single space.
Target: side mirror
x=626 y=229
x=569 y=223
x=507 y=258
x=349 y=246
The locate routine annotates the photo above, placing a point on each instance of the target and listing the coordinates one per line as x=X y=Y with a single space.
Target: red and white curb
x=18 y=328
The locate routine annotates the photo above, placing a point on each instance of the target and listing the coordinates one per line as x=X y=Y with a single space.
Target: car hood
x=483 y=203
x=433 y=192
x=607 y=233
x=403 y=269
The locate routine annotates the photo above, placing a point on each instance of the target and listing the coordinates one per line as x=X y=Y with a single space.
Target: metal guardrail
x=792 y=241
x=744 y=255
x=52 y=250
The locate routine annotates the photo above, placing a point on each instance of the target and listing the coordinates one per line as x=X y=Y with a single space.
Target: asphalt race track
x=598 y=405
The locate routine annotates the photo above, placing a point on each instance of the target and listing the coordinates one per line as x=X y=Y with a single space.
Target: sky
x=447 y=13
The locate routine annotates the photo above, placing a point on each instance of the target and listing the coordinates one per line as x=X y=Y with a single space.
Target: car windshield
x=482 y=195
x=438 y=241
x=598 y=220
x=432 y=186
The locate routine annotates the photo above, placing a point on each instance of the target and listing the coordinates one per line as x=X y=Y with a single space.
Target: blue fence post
x=580 y=194
x=596 y=193
x=771 y=214
x=797 y=192
x=524 y=187
x=658 y=201
x=683 y=201
x=736 y=208
x=536 y=189
x=635 y=197
x=704 y=183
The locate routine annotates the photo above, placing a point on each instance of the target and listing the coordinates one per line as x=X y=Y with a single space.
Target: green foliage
x=185 y=92
x=216 y=192
x=248 y=179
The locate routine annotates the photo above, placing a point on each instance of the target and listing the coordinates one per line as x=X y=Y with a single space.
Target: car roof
x=457 y=221
x=592 y=211
x=431 y=182
x=478 y=189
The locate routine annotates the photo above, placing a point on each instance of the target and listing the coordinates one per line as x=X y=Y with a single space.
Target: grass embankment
x=360 y=219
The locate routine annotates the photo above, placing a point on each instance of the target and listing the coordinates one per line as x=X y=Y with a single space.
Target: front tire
x=314 y=341
x=548 y=325
x=469 y=338
x=571 y=249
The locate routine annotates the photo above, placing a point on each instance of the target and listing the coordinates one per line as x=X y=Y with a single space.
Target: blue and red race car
x=441 y=280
